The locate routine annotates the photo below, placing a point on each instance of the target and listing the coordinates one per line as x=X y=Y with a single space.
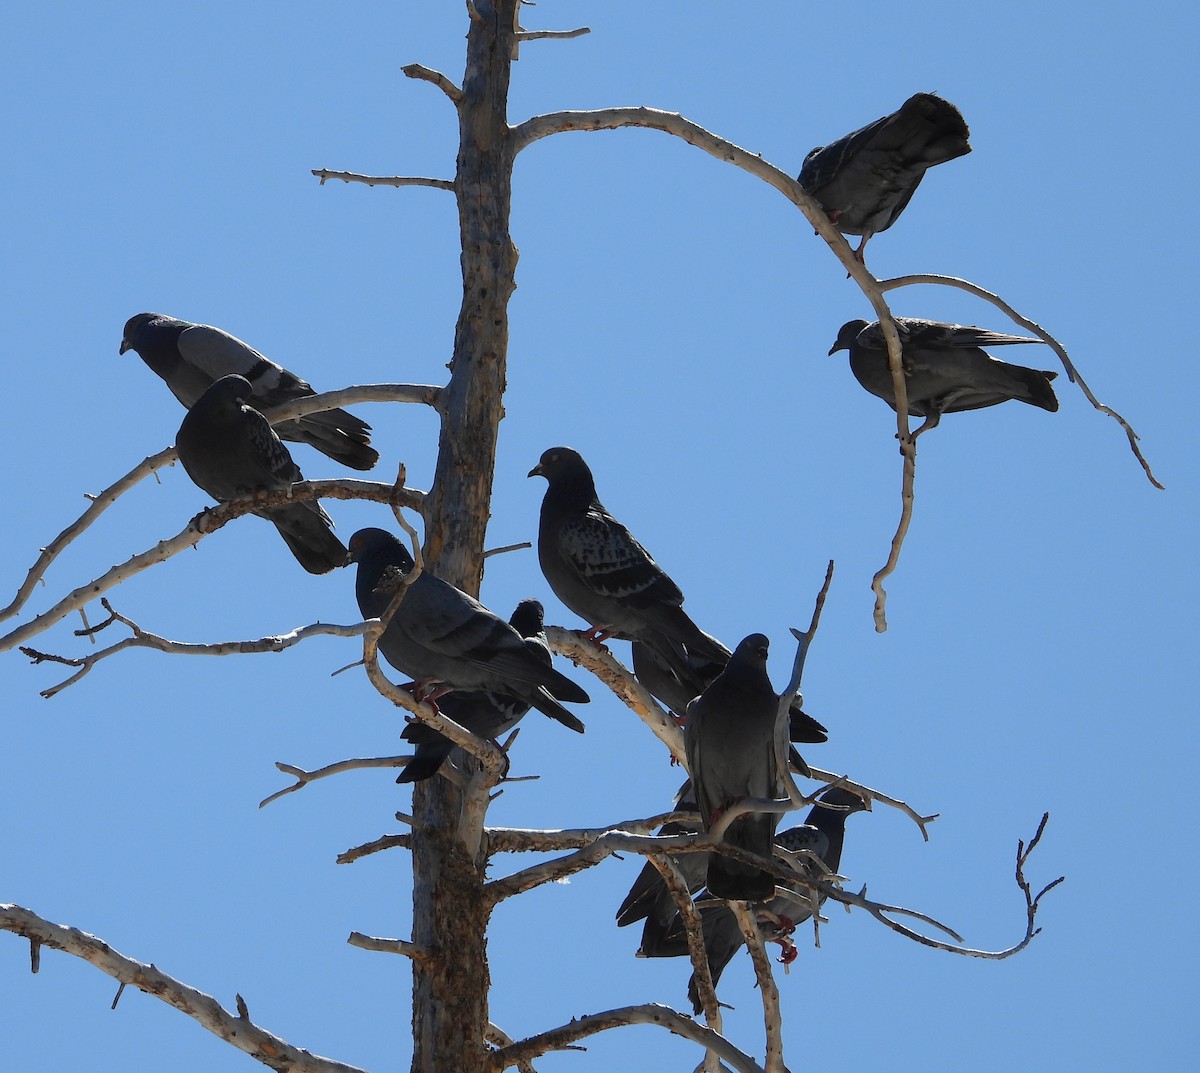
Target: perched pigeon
x=596 y=567
x=658 y=678
x=189 y=357
x=730 y=742
x=648 y=899
x=944 y=368
x=864 y=180
x=229 y=449
x=483 y=713
x=440 y=634
x=822 y=835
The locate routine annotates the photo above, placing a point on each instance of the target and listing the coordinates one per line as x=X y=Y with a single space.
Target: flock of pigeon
x=486 y=673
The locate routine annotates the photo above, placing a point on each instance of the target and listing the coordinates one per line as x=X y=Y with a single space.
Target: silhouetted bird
x=487 y=714
x=864 y=180
x=823 y=835
x=597 y=568
x=190 y=357
x=229 y=449
x=441 y=635
x=730 y=742
x=945 y=369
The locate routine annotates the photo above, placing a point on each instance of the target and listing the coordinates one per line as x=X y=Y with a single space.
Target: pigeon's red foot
x=599 y=634
x=790 y=952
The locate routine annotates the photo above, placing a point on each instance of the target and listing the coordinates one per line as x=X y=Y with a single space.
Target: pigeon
x=440 y=634
x=189 y=357
x=865 y=180
x=822 y=834
x=656 y=676
x=945 y=369
x=229 y=449
x=648 y=899
x=597 y=568
x=483 y=713
x=729 y=738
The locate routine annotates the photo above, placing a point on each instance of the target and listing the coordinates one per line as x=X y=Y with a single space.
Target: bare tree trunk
x=450 y=1014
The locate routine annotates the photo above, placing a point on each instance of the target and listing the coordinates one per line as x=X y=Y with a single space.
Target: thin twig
x=325 y=174
x=303 y=778
x=436 y=78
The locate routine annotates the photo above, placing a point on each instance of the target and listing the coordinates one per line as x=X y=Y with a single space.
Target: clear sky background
x=671 y=322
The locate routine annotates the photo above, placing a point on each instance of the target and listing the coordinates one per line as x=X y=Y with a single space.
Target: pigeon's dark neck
x=578 y=493
x=158 y=347
x=833 y=825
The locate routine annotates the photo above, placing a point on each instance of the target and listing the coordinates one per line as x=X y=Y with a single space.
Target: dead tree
x=449 y=841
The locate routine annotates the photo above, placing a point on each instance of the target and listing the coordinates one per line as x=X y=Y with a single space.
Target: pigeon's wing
x=269 y=450
x=610 y=561
x=217 y=353
x=936 y=335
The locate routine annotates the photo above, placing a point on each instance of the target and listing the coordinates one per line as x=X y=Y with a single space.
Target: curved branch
x=411 y=393
x=519 y=839
x=324 y=174
x=557 y=1039
x=772 y=1018
x=234 y=1029
x=207 y=521
x=403 y=841
x=426 y=74
x=593 y=656
x=303 y=777
x=1041 y=333
x=551 y=35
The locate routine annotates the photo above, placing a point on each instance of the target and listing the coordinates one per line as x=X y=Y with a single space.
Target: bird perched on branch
x=229 y=449
x=945 y=369
x=729 y=739
x=448 y=640
x=864 y=180
x=484 y=713
x=190 y=357
x=822 y=834
x=597 y=568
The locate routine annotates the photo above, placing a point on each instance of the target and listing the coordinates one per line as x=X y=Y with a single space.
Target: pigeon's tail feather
x=561 y=687
x=547 y=705
x=1037 y=383
x=426 y=760
x=732 y=879
x=804 y=728
x=663 y=940
x=738 y=882
x=335 y=433
x=307 y=534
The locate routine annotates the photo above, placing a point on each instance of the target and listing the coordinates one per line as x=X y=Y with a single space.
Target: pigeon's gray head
x=231 y=390
x=529 y=618
x=561 y=462
x=141 y=329
x=753 y=649
x=847 y=334
x=379 y=547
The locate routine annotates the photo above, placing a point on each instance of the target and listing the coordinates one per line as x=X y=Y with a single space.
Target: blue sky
x=671 y=322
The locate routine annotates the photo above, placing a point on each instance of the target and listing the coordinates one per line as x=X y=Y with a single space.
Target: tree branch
x=389 y=946
x=556 y=35
x=207 y=521
x=303 y=778
x=557 y=1039
x=1072 y=373
x=325 y=174
x=594 y=657
x=144 y=639
x=426 y=74
x=403 y=841
x=772 y=1018
x=234 y=1029
x=522 y=840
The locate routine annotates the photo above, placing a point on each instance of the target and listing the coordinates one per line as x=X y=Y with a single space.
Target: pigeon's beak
x=351 y=557
x=536 y=471
x=124 y=346
x=835 y=348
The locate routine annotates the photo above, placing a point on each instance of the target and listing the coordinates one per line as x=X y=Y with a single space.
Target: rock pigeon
x=729 y=738
x=649 y=899
x=944 y=368
x=229 y=449
x=189 y=357
x=440 y=634
x=657 y=677
x=596 y=567
x=822 y=834
x=483 y=713
x=865 y=180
